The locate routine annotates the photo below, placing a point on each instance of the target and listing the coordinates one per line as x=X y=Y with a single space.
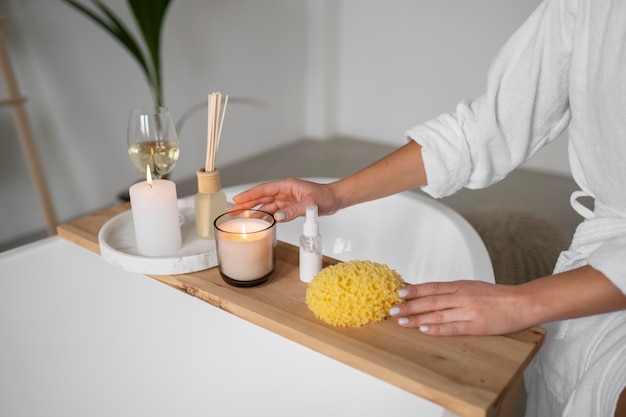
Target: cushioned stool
x=522 y=245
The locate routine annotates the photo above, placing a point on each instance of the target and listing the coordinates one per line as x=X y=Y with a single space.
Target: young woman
x=564 y=68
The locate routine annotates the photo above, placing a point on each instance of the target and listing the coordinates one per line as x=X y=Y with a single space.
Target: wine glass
x=152 y=140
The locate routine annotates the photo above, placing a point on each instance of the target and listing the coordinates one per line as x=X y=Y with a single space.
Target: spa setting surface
x=81 y=335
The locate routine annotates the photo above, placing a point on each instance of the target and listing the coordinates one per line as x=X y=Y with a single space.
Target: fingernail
x=424 y=329
x=394 y=310
x=280 y=215
x=403 y=321
x=403 y=293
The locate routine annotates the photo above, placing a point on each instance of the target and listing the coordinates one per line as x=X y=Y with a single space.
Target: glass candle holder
x=246 y=247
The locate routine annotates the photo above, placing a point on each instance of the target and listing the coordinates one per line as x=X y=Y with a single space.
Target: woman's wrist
x=344 y=193
x=576 y=293
x=531 y=304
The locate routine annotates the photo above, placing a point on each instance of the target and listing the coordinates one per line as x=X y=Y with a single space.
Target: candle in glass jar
x=245 y=248
x=155 y=216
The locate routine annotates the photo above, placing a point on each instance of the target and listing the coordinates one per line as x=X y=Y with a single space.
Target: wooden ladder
x=16 y=102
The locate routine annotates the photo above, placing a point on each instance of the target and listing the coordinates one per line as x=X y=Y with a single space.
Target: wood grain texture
x=468 y=375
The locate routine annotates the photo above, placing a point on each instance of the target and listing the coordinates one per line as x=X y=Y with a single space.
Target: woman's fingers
x=290 y=212
x=281 y=212
x=271 y=197
x=459 y=308
x=287 y=199
x=438 y=323
x=259 y=195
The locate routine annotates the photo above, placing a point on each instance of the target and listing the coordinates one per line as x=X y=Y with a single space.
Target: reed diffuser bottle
x=210 y=201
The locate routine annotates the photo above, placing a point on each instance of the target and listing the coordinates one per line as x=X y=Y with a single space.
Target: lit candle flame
x=148 y=175
x=243 y=232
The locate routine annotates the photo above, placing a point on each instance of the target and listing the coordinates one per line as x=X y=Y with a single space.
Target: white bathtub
x=420 y=238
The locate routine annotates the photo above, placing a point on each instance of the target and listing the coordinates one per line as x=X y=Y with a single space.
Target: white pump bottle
x=310 y=246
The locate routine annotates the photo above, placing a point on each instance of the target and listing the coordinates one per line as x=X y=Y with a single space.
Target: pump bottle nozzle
x=311 y=223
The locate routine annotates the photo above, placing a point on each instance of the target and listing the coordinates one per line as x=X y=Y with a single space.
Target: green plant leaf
x=149 y=17
x=112 y=24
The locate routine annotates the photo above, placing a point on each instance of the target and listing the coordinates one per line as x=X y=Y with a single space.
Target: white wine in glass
x=152 y=140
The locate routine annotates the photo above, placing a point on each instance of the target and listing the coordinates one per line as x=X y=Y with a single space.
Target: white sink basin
x=421 y=239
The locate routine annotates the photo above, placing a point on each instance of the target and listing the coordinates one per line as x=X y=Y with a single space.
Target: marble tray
x=118 y=247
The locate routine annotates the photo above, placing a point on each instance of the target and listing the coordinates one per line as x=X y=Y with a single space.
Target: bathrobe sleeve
x=525 y=106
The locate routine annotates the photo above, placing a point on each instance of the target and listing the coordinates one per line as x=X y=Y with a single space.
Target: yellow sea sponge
x=354 y=293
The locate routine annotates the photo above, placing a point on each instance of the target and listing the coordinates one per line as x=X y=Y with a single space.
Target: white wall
x=402 y=62
x=81 y=85
x=363 y=68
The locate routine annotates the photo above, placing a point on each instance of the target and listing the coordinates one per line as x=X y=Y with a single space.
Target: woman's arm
x=479 y=308
x=401 y=170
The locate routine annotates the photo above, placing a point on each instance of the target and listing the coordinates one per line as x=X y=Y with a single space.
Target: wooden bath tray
x=471 y=376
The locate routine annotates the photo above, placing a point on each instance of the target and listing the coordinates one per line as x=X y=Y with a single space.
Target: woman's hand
x=480 y=308
x=287 y=199
x=461 y=308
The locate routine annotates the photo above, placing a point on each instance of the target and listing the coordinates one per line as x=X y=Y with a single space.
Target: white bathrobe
x=564 y=68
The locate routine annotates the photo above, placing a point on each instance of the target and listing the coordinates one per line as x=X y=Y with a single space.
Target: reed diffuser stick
x=219 y=133
x=214 y=128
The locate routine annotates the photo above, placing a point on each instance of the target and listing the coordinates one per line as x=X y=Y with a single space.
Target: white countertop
x=83 y=338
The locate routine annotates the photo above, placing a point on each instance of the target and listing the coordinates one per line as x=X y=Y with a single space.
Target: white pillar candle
x=155 y=217
x=245 y=248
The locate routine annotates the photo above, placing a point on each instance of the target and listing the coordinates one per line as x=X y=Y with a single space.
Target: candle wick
x=150 y=184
